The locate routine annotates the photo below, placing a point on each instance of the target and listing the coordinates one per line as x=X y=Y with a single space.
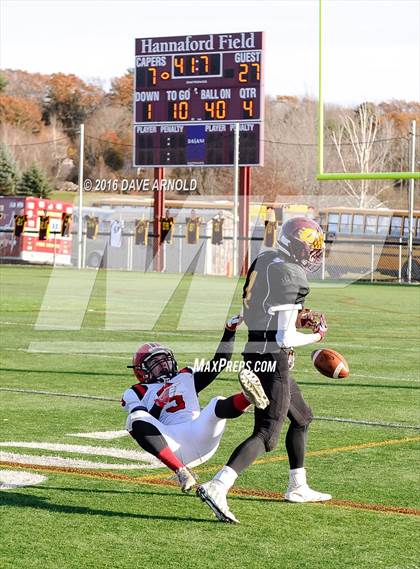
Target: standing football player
x=274 y=292
x=164 y=412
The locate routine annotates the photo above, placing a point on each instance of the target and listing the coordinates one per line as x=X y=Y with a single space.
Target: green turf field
x=102 y=513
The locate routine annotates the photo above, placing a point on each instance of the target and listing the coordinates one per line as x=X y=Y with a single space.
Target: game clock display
x=189 y=80
x=224 y=84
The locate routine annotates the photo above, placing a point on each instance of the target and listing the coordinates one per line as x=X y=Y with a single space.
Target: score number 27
x=249 y=72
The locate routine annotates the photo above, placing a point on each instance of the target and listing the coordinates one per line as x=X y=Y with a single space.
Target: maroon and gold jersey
x=270 y=233
x=167 y=229
x=142 y=231
x=193 y=230
x=217 y=231
x=92 y=227
x=65 y=224
x=20 y=222
x=44 y=228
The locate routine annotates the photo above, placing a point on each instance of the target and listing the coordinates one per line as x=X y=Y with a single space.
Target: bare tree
x=360 y=150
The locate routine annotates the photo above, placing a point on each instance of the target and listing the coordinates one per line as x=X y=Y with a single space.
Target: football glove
x=308 y=318
x=163 y=398
x=233 y=322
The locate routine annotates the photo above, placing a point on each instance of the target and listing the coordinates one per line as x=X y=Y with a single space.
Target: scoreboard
x=189 y=93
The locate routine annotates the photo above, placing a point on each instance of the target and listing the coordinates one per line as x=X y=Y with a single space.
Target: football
x=330 y=363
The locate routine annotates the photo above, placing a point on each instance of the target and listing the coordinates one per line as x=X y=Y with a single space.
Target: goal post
x=321 y=175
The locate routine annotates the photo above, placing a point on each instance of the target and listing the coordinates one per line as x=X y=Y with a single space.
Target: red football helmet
x=153 y=363
x=302 y=239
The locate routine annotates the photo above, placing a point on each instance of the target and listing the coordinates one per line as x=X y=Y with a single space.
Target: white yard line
x=168 y=333
x=365 y=346
x=101 y=435
x=337 y=419
x=69 y=462
x=85 y=449
x=10 y=479
x=126 y=358
x=357 y=375
x=58 y=394
x=371 y=423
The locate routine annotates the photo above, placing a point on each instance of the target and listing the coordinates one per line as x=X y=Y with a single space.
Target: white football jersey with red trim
x=182 y=406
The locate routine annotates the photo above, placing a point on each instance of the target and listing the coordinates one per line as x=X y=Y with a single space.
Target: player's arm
x=161 y=400
x=287 y=336
x=288 y=288
x=222 y=356
x=132 y=400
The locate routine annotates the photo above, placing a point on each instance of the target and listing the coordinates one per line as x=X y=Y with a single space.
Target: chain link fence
x=346 y=260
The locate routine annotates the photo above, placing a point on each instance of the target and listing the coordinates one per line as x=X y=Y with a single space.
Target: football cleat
x=298 y=490
x=213 y=494
x=252 y=389
x=187 y=479
x=300 y=494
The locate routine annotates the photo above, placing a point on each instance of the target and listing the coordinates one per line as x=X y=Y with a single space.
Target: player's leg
x=252 y=394
x=300 y=416
x=202 y=436
x=267 y=421
x=267 y=425
x=231 y=407
x=152 y=437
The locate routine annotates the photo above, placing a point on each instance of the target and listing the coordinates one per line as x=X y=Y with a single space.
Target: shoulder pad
x=139 y=389
x=186 y=370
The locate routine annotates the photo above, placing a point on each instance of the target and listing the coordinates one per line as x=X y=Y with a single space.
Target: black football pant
x=285 y=400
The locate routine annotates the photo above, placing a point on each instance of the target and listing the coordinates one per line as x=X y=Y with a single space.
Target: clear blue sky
x=372 y=46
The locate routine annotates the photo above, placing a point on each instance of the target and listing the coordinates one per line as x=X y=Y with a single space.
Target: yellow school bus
x=356 y=239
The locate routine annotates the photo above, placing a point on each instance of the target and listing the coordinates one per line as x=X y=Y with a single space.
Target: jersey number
x=179 y=402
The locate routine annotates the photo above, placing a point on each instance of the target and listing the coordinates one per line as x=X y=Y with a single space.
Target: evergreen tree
x=34 y=183
x=8 y=172
x=3 y=83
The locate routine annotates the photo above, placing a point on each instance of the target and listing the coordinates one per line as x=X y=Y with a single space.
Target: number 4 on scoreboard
x=248 y=107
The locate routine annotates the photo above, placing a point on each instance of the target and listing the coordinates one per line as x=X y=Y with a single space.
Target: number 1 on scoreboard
x=147 y=112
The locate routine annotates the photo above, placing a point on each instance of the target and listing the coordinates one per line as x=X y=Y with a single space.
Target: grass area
x=77 y=520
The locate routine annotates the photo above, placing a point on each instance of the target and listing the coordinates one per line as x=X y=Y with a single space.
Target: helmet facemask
x=315 y=260
x=303 y=240
x=160 y=366
x=155 y=367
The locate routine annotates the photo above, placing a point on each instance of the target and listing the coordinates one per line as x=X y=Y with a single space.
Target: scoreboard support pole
x=158 y=213
x=244 y=197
